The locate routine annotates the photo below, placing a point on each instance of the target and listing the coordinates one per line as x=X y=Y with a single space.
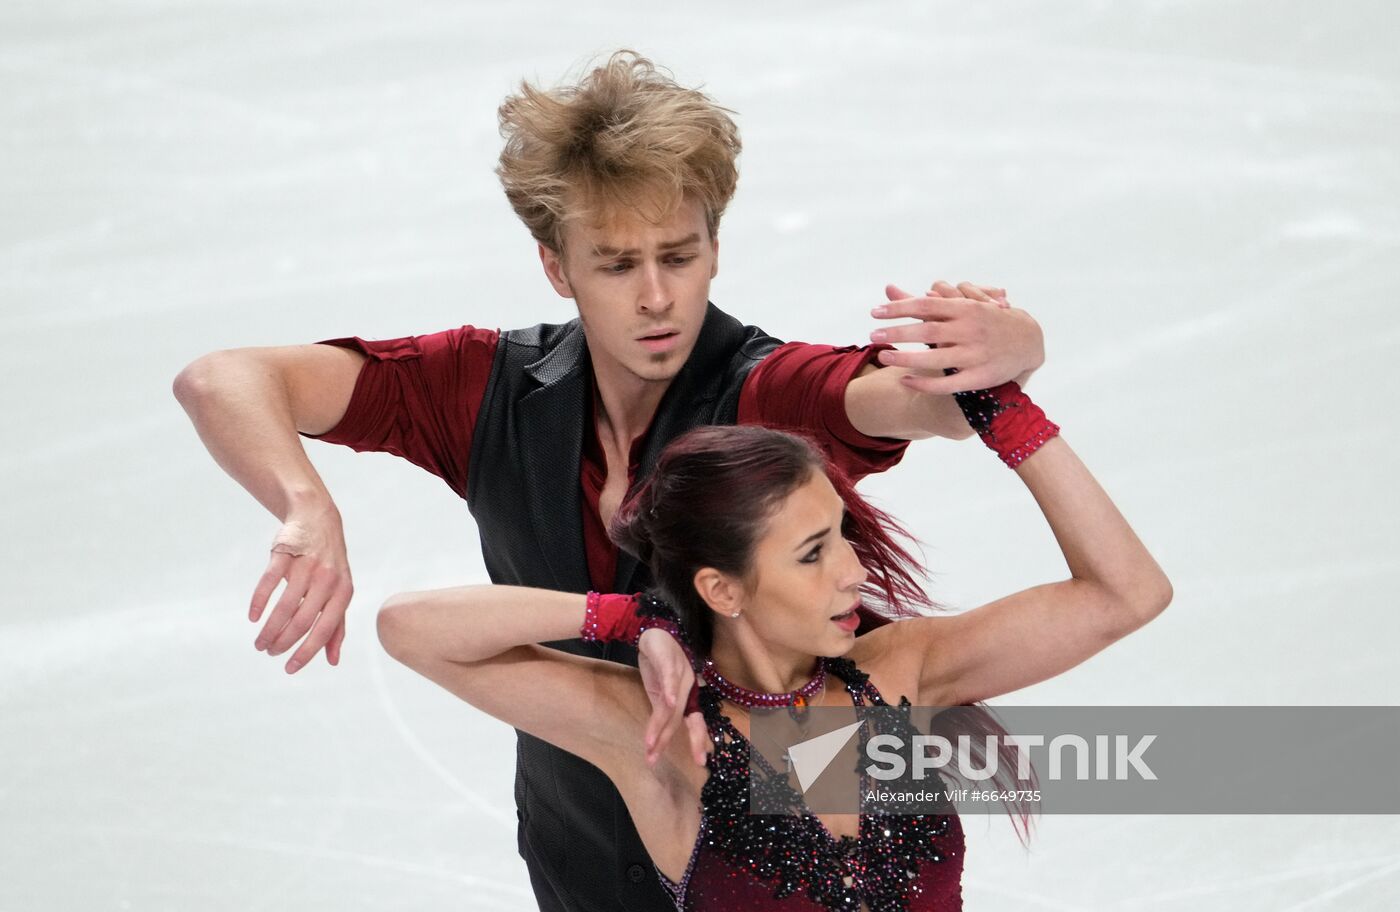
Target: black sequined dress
x=791 y=862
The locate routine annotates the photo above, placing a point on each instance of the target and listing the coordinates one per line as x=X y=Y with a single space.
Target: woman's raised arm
x=1115 y=587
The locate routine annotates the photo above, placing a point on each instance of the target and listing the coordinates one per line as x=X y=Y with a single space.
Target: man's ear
x=718 y=590
x=553 y=263
x=714 y=267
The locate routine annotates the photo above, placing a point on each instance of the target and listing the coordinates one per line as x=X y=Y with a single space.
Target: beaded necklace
x=750 y=699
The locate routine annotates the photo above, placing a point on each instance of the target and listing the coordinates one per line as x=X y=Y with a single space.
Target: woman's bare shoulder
x=888 y=656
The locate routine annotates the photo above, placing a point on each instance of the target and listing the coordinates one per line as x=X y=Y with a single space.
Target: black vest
x=523 y=490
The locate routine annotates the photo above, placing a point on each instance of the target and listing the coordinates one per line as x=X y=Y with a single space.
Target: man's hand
x=668 y=678
x=309 y=553
x=974 y=330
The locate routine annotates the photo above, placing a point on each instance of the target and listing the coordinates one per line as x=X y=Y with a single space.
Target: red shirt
x=418 y=397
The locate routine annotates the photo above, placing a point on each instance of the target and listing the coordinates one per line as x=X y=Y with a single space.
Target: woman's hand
x=668 y=679
x=970 y=328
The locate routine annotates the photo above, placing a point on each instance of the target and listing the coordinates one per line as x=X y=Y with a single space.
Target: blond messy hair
x=626 y=137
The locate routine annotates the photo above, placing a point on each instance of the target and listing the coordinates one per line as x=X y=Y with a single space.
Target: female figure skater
x=765 y=552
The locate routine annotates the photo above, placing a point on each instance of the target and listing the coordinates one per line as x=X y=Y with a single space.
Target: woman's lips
x=847 y=621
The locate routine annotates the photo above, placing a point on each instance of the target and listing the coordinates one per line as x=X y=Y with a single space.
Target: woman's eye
x=811 y=557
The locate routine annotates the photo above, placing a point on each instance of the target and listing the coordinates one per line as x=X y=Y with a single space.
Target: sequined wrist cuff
x=608 y=618
x=1007 y=421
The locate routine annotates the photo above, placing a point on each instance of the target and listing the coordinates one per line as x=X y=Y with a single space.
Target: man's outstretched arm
x=248 y=406
x=909 y=397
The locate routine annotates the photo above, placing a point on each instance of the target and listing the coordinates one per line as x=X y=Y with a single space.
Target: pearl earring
x=735 y=614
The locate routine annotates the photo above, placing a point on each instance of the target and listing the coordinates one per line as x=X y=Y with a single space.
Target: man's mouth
x=660 y=341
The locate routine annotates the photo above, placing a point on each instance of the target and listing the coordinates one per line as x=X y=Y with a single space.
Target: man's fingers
x=320 y=625
x=276 y=572
x=943 y=386
x=328 y=624
x=286 y=606
x=932 y=361
x=302 y=620
x=321 y=588
x=333 y=647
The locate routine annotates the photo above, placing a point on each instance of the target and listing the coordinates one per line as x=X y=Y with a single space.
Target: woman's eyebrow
x=813 y=537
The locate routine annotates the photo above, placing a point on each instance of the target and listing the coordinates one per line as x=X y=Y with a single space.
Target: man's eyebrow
x=607 y=252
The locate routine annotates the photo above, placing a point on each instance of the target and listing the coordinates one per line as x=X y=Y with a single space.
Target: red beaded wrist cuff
x=1007 y=421
x=607 y=618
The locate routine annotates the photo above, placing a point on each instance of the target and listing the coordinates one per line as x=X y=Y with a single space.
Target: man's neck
x=624 y=405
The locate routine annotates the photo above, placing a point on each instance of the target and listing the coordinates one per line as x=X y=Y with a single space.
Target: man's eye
x=616 y=268
x=681 y=260
x=811 y=557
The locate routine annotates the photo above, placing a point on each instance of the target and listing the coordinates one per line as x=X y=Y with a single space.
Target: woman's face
x=806 y=577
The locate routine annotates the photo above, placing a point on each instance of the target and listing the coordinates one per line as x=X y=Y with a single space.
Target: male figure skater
x=621 y=180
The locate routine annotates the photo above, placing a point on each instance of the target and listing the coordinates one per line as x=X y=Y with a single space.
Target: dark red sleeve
x=803 y=387
x=418 y=397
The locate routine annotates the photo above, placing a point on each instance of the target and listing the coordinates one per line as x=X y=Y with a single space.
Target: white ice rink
x=1197 y=200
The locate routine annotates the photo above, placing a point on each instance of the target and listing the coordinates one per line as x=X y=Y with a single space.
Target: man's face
x=641 y=288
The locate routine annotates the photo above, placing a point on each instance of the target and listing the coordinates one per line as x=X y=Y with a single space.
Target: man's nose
x=654 y=294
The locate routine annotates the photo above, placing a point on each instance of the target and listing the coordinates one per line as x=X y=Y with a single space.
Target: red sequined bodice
x=792 y=862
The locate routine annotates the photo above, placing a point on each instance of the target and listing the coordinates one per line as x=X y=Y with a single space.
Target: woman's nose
x=856 y=574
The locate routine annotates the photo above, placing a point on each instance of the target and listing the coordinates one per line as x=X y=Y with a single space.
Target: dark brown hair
x=707 y=505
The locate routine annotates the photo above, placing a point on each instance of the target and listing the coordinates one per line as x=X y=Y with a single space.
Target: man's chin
x=660 y=367
x=655 y=372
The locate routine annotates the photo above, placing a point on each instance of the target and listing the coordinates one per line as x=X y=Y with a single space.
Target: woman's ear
x=718 y=590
